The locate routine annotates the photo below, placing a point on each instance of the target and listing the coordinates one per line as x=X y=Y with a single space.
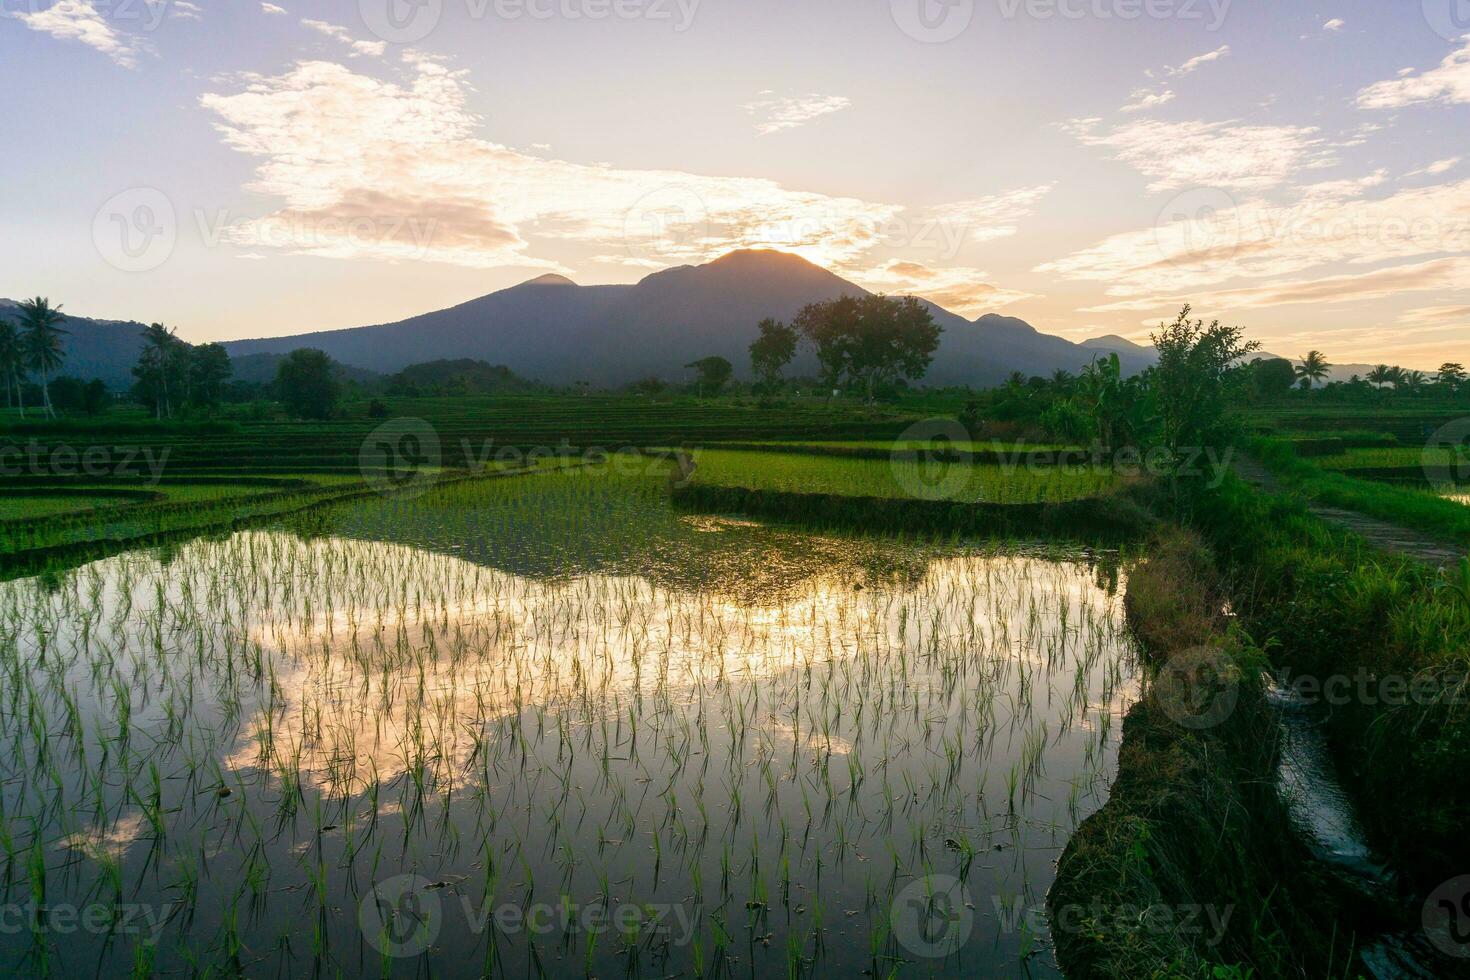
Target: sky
x=246 y=169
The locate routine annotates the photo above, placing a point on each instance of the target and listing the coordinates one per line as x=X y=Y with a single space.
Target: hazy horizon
x=259 y=170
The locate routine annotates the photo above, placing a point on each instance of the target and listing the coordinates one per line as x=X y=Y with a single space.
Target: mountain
x=105 y=349
x=555 y=331
x=1123 y=347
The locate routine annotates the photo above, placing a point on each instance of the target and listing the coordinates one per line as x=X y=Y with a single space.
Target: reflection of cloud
x=1449 y=83
x=1203 y=154
x=79 y=20
x=788 y=112
x=112 y=842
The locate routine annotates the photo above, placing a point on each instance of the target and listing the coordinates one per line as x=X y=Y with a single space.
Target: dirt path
x=1380 y=534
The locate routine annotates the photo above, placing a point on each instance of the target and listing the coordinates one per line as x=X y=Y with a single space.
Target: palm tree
x=1413 y=381
x=12 y=362
x=1313 y=369
x=41 y=341
x=1380 y=376
x=156 y=362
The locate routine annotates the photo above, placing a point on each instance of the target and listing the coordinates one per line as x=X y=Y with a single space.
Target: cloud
x=984 y=219
x=1334 y=25
x=79 y=20
x=1437 y=168
x=1436 y=316
x=1221 y=52
x=1439 y=274
x=959 y=290
x=789 y=112
x=373 y=49
x=1203 y=154
x=271 y=8
x=1448 y=84
x=336 y=145
x=1213 y=240
x=184 y=10
x=1142 y=100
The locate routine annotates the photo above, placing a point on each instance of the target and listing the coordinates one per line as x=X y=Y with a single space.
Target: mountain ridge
x=555 y=331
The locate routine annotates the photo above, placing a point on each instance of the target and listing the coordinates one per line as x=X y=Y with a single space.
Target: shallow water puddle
x=684 y=746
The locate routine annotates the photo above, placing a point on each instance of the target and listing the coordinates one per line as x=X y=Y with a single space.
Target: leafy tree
x=1117 y=406
x=870 y=340
x=772 y=351
x=711 y=374
x=12 y=365
x=1192 y=378
x=1272 y=377
x=1313 y=369
x=40 y=337
x=306 y=383
x=1451 y=375
x=208 y=369
x=76 y=395
x=158 y=369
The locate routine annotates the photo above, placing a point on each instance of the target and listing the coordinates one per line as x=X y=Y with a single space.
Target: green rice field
x=899 y=477
x=547 y=725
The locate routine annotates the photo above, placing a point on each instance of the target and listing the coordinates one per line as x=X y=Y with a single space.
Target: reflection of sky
x=385 y=658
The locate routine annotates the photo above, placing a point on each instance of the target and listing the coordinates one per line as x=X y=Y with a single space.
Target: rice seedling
x=553 y=695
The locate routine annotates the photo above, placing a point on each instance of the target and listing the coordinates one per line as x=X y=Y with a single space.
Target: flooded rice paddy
x=547 y=726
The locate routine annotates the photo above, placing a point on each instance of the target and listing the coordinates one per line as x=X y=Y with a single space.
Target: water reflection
x=776 y=734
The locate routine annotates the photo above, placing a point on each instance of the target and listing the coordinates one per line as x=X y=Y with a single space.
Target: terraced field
x=901 y=477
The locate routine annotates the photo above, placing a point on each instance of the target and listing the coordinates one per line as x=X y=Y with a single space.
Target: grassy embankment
x=1190 y=869
x=1324 y=480
x=1329 y=605
x=906 y=494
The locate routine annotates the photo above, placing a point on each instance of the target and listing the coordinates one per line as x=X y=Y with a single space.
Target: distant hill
x=105 y=349
x=261 y=369
x=555 y=331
